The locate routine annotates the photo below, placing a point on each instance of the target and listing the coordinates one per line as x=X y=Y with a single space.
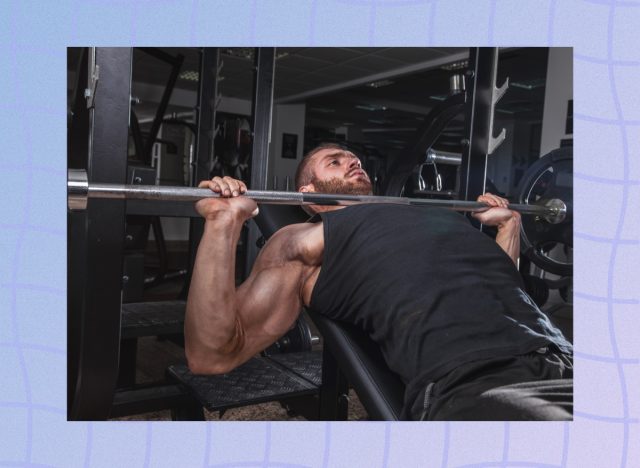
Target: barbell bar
x=79 y=190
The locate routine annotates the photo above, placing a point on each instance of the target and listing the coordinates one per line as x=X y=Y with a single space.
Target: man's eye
x=334 y=162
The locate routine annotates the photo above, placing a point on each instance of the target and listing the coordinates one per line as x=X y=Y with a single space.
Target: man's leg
x=550 y=400
x=536 y=386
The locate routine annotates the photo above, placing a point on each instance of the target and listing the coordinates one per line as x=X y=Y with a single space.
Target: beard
x=338 y=185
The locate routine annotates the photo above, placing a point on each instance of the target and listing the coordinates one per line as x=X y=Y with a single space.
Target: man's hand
x=508 y=223
x=499 y=213
x=230 y=205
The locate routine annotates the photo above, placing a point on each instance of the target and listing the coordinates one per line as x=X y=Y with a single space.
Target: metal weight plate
x=550 y=246
x=297 y=339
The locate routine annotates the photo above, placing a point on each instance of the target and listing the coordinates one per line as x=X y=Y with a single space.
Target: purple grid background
x=33 y=36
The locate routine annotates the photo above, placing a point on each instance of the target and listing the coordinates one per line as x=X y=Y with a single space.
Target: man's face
x=338 y=171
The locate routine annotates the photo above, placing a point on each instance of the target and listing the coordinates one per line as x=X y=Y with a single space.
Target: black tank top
x=429 y=288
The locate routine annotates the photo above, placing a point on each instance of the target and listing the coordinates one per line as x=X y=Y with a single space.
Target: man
x=444 y=301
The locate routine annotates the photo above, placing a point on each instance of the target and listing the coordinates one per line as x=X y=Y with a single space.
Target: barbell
x=79 y=190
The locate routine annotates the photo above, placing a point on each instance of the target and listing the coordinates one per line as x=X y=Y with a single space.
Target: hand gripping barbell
x=79 y=190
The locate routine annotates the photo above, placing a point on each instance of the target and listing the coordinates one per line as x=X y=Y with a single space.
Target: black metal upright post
x=77 y=157
x=206 y=115
x=78 y=124
x=334 y=391
x=479 y=141
x=95 y=300
x=262 y=108
x=176 y=65
x=200 y=167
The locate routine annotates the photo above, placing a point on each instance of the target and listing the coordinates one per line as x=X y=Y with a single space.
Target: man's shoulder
x=301 y=241
x=298 y=232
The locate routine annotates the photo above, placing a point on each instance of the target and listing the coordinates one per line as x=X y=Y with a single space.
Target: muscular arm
x=224 y=327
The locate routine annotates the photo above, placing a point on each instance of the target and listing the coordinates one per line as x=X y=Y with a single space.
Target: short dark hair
x=304 y=174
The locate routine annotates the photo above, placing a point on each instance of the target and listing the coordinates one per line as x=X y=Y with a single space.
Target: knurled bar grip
x=79 y=190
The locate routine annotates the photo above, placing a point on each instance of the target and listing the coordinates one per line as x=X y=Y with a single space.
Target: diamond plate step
x=257 y=381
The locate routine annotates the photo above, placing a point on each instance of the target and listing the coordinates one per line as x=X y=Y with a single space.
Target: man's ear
x=309 y=209
x=307 y=188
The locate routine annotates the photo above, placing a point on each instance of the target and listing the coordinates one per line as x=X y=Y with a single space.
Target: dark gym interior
x=426 y=123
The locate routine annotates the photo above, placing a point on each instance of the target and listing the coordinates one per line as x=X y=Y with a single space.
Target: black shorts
x=537 y=386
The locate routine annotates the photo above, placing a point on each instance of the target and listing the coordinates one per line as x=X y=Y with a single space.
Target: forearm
x=508 y=237
x=212 y=328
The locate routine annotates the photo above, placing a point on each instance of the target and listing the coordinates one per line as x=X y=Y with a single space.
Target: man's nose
x=354 y=162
